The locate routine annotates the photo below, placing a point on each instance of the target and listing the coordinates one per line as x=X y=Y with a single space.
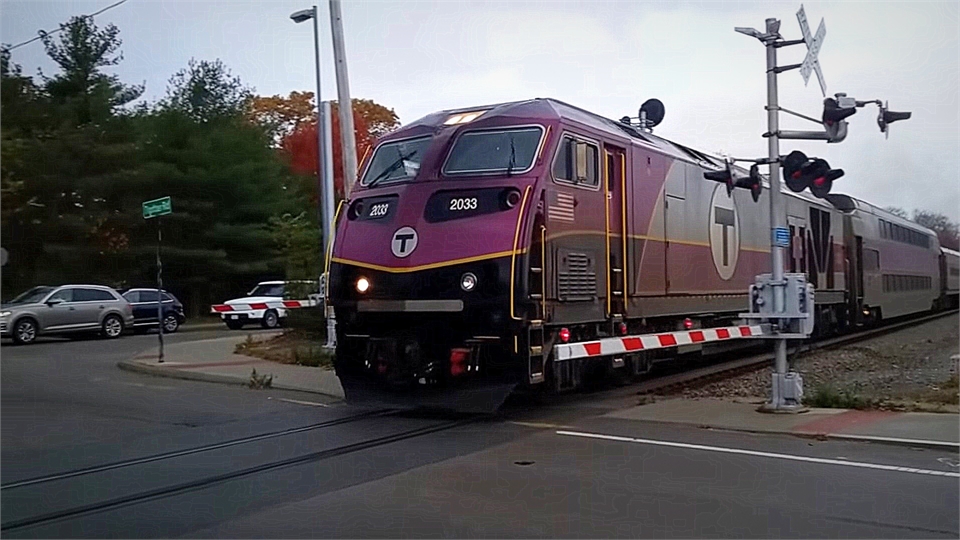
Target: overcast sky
x=607 y=57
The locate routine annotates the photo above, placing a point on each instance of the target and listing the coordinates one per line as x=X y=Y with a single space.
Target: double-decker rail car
x=480 y=241
x=895 y=263
x=949 y=278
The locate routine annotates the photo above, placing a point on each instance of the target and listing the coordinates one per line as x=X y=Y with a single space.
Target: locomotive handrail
x=513 y=256
x=606 y=225
x=623 y=234
x=329 y=253
x=543 y=272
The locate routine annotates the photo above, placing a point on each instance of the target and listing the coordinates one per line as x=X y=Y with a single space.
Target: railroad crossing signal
x=801 y=172
x=725 y=176
x=811 y=63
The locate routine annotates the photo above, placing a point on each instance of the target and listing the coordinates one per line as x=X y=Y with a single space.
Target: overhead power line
x=50 y=33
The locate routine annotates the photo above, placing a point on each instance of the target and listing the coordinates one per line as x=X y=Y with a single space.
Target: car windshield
x=394 y=161
x=34 y=295
x=268 y=290
x=508 y=151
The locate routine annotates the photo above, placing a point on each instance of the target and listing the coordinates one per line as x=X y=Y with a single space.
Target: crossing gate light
x=754 y=183
x=791 y=171
x=835 y=113
x=887 y=117
x=724 y=176
x=801 y=172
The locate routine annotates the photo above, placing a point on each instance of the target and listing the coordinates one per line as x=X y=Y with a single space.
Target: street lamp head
x=752 y=32
x=302 y=15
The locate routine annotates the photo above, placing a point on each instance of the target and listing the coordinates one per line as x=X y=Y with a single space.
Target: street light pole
x=325 y=191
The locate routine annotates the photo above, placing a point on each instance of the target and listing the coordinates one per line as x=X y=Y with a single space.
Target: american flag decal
x=561 y=207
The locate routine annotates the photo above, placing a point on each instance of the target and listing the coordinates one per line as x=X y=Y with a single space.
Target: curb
x=173 y=373
x=892 y=441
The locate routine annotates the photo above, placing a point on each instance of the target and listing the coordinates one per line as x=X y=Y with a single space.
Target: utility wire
x=42 y=33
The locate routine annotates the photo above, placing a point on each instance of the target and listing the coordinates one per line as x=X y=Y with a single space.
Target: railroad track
x=145 y=495
x=746 y=364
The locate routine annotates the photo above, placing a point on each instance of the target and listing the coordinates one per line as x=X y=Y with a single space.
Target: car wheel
x=270 y=319
x=170 y=324
x=234 y=325
x=25 y=331
x=112 y=327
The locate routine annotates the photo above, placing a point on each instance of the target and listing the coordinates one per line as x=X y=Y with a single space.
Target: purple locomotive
x=480 y=240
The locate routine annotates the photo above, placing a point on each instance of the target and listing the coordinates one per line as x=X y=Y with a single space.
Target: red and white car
x=267 y=304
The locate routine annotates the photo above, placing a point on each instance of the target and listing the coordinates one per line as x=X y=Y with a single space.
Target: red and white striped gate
x=630 y=344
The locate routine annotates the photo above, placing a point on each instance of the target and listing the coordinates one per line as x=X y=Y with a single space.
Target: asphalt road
x=557 y=471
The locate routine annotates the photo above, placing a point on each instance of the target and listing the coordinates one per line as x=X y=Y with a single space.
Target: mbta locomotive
x=511 y=244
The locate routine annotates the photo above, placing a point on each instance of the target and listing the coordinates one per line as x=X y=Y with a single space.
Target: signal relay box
x=797 y=318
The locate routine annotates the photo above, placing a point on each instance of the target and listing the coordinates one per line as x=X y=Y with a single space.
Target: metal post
x=328 y=224
x=321 y=156
x=343 y=95
x=329 y=196
x=159 y=292
x=777 y=220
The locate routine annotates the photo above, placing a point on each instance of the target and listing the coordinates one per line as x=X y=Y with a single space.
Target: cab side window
x=577 y=162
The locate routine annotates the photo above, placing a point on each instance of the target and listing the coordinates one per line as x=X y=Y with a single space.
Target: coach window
x=577 y=162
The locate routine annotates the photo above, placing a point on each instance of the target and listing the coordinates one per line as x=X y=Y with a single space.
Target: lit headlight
x=4 y=314
x=468 y=281
x=362 y=285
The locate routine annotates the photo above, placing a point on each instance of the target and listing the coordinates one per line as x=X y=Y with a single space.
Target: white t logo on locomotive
x=724 y=232
x=404 y=242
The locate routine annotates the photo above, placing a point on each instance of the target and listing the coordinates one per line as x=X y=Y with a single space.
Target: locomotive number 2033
x=463 y=203
x=379 y=210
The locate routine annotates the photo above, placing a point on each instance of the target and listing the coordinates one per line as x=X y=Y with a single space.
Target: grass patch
x=947 y=393
x=292 y=347
x=828 y=397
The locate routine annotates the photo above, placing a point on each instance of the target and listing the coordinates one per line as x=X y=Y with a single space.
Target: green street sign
x=157 y=207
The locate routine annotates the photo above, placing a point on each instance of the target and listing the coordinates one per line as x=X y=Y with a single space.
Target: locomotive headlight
x=363 y=285
x=468 y=282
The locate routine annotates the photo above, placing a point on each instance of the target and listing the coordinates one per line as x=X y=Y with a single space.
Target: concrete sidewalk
x=936 y=430
x=213 y=360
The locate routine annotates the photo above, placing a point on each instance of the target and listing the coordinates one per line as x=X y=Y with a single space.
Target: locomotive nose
x=421 y=242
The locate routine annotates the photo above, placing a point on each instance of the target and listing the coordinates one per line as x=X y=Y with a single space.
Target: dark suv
x=144 y=302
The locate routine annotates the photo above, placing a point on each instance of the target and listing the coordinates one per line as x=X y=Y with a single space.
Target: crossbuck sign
x=810 y=63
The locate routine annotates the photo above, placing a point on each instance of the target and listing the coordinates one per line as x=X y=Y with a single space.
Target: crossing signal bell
x=801 y=172
x=753 y=182
x=835 y=113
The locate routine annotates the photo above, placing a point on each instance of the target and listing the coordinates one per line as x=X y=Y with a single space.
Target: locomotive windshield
x=395 y=160
x=510 y=151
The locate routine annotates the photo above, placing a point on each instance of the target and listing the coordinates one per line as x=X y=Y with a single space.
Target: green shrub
x=826 y=396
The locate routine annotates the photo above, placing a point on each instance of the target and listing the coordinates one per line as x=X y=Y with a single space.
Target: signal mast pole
x=777 y=213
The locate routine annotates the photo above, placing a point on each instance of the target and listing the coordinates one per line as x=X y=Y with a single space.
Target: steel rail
x=188 y=451
x=202 y=483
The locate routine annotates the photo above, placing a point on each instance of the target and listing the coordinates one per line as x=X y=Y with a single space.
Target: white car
x=265 y=304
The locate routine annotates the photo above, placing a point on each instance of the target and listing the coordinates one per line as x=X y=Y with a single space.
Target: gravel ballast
x=908 y=369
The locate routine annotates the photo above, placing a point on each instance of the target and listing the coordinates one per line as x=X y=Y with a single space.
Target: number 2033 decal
x=464 y=203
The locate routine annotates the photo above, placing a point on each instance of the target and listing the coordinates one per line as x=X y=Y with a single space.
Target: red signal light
x=622 y=328
x=458 y=361
x=687 y=323
x=565 y=335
